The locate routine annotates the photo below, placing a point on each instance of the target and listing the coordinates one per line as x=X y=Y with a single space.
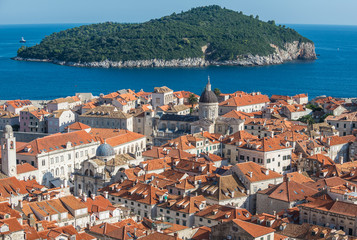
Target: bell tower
x=8 y=152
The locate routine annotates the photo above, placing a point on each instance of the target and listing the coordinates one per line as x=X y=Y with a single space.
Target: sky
x=331 y=12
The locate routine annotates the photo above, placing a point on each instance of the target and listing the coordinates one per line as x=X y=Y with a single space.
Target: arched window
x=57 y=172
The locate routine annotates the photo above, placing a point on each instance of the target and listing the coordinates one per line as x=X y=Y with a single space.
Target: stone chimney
x=340 y=159
x=92 y=196
x=84 y=197
x=106 y=194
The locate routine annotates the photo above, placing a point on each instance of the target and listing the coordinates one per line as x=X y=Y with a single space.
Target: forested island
x=199 y=37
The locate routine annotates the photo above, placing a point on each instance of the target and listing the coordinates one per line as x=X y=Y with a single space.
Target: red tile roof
x=13 y=224
x=253 y=229
x=56 y=142
x=187 y=204
x=245 y=100
x=114 y=137
x=161 y=152
x=289 y=191
x=99 y=204
x=78 y=126
x=18 y=103
x=139 y=192
x=237 y=115
x=224 y=213
x=11 y=186
x=24 y=168
x=258 y=173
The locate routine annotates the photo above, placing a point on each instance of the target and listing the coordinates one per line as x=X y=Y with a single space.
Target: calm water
x=334 y=73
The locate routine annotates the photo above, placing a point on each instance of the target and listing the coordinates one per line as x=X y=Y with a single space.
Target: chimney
x=328 y=141
x=65 y=183
x=340 y=159
x=250 y=174
x=106 y=194
x=92 y=196
x=21 y=204
x=84 y=197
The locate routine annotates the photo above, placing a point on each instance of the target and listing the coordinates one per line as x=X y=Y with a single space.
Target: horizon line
x=87 y=23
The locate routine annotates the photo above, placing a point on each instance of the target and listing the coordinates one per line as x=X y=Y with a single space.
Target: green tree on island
x=225 y=35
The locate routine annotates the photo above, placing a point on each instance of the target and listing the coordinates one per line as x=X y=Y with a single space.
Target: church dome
x=208 y=96
x=105 y=150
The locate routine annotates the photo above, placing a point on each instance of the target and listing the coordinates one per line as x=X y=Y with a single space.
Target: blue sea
x=333 y=74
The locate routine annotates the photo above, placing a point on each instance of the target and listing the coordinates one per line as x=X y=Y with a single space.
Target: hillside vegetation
x=212 y=32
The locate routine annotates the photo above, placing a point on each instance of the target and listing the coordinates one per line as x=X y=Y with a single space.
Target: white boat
x=22 y=40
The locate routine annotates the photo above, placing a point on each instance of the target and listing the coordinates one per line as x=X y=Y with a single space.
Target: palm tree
x=192 y=100
x=217 y=92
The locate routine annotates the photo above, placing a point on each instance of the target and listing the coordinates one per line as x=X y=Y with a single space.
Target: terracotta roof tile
x=24 y=168
x=258 y=173
x=253 y=229
x=245 y=100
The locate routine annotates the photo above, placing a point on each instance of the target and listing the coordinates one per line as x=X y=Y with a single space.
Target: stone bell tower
x=8 y=152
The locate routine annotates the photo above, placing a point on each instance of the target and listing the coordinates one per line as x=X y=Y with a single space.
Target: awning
x=57 y=183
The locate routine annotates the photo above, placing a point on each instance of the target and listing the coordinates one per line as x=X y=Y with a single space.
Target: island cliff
x=200 y=37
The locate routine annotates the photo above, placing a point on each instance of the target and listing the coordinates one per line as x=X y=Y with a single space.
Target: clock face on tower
x=13 y=170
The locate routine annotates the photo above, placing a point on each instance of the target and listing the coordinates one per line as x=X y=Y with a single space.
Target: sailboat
x=22 y=40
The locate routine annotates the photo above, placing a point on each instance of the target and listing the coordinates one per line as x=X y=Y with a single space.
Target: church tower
x=208 y=104
x=8 y=152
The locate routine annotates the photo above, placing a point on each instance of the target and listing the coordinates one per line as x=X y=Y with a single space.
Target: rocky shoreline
x=292 y=51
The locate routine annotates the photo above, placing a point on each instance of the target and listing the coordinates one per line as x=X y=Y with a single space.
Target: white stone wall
x=247 y=109
x=59 y=163
x=102 y=122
